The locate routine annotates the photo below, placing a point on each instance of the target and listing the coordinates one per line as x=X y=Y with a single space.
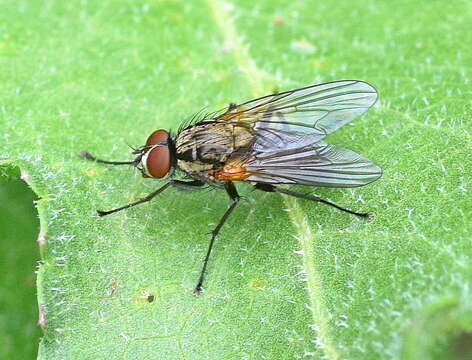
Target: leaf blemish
x=90 y=172
x=112 y=287
x=41 y=240
x=42 y=316
x=257 y=284
x=146 y=297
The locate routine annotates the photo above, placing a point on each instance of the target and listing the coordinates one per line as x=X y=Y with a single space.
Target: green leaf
x=288 y=279
x=19 y=332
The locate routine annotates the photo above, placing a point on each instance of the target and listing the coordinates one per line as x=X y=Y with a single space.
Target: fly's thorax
x=211 y=141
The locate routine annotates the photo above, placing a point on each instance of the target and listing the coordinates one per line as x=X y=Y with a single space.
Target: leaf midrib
x=256 y=79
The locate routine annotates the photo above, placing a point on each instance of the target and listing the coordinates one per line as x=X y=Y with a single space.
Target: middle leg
x=234 y=196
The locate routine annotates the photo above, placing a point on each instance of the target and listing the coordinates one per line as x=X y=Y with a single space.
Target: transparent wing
x=316 y=110
x=318 y=164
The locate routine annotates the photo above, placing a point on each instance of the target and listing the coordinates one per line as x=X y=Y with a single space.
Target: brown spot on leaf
x=258 y=284
x=278 y=20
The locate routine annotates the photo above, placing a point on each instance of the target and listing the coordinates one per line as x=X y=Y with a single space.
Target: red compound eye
x=158 y=161
x=158 y=136
x=158 y=158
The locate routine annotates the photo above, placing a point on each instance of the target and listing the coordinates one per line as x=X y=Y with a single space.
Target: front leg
x=177 y=183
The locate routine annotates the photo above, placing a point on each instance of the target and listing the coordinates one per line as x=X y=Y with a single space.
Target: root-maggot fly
x=275 y=139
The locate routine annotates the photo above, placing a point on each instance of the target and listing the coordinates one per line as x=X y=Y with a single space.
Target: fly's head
x=156 y=159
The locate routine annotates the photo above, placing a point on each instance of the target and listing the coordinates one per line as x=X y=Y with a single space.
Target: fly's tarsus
x=369 y=216
x=197 y=291
x=86 y=155
x=103 y=213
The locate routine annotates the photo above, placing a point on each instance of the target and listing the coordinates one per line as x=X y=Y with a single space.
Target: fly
x=272 y=140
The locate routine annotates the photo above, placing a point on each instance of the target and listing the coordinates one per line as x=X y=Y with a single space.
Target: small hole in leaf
x=144 y=298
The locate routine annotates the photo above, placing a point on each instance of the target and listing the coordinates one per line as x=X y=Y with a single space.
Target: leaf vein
x=255 y=78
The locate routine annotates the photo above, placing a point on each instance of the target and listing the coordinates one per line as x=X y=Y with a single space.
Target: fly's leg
x=272 y=188
x=86 y=155
x=176 y=183
x=233 y=194
x=143 y=200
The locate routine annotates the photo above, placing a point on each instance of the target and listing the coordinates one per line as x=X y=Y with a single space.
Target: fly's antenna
x=130 y=146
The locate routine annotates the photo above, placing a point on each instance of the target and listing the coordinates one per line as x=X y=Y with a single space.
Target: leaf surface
x=288 y=279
